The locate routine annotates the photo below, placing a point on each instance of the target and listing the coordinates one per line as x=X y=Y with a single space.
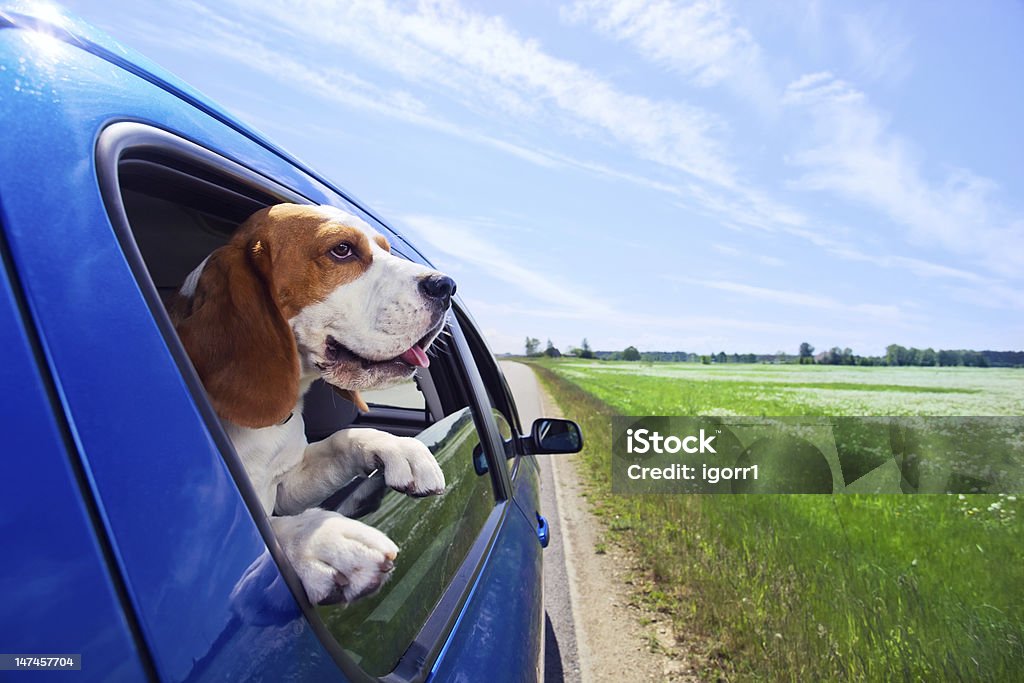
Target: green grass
x=816 y=587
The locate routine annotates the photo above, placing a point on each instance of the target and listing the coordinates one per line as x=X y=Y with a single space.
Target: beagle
x=301 y=293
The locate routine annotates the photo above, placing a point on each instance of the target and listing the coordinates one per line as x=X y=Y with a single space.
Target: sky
x=700 y=176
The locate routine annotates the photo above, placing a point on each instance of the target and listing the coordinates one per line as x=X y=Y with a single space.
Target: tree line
x=895 y=356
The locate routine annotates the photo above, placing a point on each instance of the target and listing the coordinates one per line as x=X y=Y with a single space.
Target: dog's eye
x=342 y=252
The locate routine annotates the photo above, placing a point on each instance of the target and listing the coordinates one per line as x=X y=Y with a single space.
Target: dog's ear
x=238 y=339
x=353 y=396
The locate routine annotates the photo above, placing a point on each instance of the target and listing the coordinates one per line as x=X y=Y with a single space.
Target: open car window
x=180 y=203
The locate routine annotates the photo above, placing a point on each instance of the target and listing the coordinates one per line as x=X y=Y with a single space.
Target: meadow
x=851 y=587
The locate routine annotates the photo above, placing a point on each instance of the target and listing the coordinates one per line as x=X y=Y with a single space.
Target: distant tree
x=706 y=360
x=974 y=359
x=896 y=355
x=1004 y=359
x=721 y=357
x=532 y=344
x=551 y=352
x=833 y=356
x=928 y=357
x=806 y=353
x=630 y=353
x=585 y=351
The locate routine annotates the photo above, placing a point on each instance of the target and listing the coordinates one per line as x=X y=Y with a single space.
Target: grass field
x=816 y=587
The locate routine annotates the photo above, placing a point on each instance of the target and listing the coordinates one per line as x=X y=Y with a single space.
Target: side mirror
x=550 y=436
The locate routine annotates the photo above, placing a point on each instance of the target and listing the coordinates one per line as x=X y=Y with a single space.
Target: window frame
x=130 y=139
x=496 y=387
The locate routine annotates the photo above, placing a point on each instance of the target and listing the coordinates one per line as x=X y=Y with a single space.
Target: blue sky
x=707 y=176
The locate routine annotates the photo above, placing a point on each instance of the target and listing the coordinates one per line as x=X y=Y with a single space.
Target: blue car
x=130 y=535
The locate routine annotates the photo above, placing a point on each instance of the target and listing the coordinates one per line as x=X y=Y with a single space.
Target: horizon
x=687 y=175
x=795 y=354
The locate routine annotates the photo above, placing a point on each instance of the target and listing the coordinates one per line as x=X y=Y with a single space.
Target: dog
x=301 y=293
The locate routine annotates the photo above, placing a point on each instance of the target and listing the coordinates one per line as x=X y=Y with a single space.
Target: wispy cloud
x=734 y=252
x=702 y=41
x=438 y=42
x=918 y=267
x=995 y=296
x=487 y=65
x=463 y=241
x=553 y=298
x=857 y=156
x=880 y=45
x=225 y=38
x=797 y=298
x=699 y=40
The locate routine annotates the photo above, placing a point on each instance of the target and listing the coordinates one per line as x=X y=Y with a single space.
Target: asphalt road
x=561 y=655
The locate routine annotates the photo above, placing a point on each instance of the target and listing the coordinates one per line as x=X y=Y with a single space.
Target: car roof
x=60 y=24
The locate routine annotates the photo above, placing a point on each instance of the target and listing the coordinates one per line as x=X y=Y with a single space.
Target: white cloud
x=786 y=297
x=726 y=250
x=996 y=296
x=916 y=266
x=227 y=39
x=880 y=47
x=490 y=67
x=733 y=252
x=462 y=241
x=855 y=155
x=700 y=40
x=418 y=45
x=552 y=298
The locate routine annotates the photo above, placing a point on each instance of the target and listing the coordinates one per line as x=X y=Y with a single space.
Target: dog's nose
x=438 y=286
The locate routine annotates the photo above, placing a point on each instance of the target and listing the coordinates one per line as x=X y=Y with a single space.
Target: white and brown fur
x=301 y=293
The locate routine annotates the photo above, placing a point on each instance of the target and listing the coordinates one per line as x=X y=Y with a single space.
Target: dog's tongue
x=416 y=357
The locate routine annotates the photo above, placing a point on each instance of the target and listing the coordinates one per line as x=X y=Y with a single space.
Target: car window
x=177 y=217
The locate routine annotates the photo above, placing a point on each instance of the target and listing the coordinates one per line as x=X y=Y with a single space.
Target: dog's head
x=300 y=291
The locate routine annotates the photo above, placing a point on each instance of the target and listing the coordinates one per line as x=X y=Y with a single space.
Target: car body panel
x=54 y=579
x=207 y=597
x=498 y=633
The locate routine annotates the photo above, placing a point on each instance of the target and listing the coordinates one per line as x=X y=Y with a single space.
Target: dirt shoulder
x=617 y=638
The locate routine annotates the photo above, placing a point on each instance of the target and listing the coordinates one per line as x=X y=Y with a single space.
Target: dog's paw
x=338 y=559
x=409 y=467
